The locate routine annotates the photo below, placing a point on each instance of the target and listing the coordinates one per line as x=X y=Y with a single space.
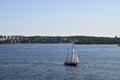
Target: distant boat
x=73 y=60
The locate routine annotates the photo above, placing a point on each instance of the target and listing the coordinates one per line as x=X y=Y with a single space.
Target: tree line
x=64 y=39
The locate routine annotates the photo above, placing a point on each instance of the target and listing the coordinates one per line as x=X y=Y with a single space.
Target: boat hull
x=70 y=64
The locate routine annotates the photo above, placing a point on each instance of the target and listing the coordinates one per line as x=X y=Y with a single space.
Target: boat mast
x=73 y=58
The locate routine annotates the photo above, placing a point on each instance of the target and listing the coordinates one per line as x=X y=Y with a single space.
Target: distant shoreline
x=59 y=39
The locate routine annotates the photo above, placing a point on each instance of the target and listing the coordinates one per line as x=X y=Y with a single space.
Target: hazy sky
x=60 y=17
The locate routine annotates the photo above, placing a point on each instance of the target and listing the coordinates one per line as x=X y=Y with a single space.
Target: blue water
x=45 y=62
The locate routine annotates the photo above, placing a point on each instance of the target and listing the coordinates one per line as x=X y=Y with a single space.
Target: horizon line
x=60 y=35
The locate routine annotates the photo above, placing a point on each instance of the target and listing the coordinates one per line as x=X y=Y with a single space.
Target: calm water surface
x=45 y=62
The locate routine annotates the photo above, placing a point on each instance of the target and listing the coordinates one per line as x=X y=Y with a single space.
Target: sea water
x=45 y=62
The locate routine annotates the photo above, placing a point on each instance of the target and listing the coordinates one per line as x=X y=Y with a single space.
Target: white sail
x=77 y=61
x=74 y=57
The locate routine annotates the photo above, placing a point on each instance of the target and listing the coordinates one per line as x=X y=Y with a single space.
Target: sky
x=60 y=17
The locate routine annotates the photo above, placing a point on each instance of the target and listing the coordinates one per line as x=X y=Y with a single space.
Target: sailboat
x=73 y=60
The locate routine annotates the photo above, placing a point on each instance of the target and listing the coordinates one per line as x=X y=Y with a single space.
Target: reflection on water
x=74 y=69
x=74 y=72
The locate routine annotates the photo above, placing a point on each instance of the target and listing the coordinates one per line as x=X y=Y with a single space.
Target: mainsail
x=74 y=57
